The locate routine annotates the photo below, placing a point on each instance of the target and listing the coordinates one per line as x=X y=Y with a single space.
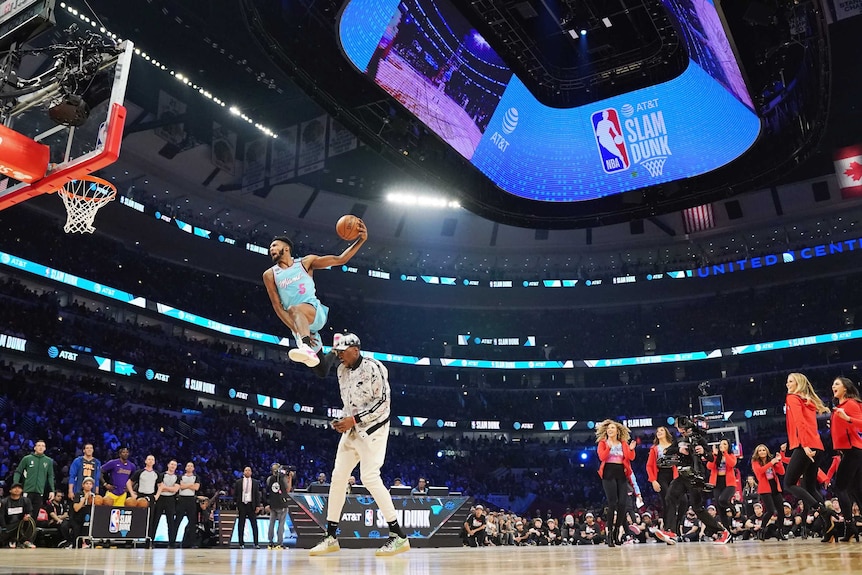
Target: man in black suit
x=246 y=492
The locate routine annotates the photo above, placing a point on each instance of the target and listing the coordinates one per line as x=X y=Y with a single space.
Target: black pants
x=165 y=505
x=246 y=512
x=722 y=494
x=801 y=466
x=616 y=492
x=848 y=481
x=679 y=487
x=37 y=499
x=665 y=477
x=187 y=507
x=24 y=530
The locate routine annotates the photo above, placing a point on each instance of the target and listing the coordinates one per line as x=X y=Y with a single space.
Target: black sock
x=331 y=529
x=306 y=339
x=396 y=529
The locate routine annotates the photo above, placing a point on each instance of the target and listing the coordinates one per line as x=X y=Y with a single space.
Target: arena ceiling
x=280 y=63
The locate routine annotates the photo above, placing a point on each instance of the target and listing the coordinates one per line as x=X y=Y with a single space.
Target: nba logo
x=114 y=523
x=610 y=141
x=369 y=517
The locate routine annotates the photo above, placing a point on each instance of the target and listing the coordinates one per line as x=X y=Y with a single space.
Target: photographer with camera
x=690 y=454
x=278 y=485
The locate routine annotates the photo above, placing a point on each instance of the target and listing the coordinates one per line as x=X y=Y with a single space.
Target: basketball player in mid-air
x=291 y=290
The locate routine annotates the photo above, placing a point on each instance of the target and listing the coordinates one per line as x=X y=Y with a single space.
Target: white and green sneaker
x=394 y=546
x=327 y=545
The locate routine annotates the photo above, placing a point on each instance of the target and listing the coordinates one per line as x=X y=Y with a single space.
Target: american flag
x=698 y=219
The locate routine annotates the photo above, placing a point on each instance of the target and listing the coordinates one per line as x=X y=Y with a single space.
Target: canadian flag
x=848 y=170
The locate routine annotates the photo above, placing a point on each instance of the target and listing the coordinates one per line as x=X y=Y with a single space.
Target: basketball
x=618 y=140
x=98 y=500
x=347 y=227
x=108 y=500
x=143 y=503
x=131 y=502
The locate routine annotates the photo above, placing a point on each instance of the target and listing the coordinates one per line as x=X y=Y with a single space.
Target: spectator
x=17 y=526
x=85 y=465
x=421 y=487
x=36 y=471
x=82 y=507
x=475 y=528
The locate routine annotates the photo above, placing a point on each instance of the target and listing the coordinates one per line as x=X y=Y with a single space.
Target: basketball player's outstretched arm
x=312 y=262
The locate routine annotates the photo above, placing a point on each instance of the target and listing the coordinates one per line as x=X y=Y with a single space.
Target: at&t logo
x=510 y=120
x=508 y=125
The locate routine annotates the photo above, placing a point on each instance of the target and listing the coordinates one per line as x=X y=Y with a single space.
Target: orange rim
x=93 y=180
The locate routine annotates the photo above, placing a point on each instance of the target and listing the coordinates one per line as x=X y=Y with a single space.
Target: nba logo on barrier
x=369 y=517
x=610 y=141
x=114 y=523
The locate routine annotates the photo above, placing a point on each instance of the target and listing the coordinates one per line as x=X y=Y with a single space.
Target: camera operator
x=278 y=485
x=692 y=452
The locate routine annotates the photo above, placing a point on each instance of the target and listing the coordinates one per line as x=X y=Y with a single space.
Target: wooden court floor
x=795 y=556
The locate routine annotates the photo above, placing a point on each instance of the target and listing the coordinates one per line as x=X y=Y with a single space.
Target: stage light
x=584 y=456
x=573 y=34
x=583 y=31
x=607 y=22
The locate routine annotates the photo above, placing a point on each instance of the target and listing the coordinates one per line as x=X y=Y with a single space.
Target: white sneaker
x=393 y=546
x=639 y=502
x=327 y=545
x=304 y=354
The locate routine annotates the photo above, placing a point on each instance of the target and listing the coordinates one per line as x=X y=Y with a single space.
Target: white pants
x=370 y=452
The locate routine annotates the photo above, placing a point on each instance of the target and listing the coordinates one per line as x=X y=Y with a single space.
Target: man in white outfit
x=364 y=386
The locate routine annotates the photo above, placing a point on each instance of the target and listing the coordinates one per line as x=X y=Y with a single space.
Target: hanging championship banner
x=170 y=107
x=341 y=140
x=312 y=145
x=254 y=166
x=282 y=164
x=224 y=148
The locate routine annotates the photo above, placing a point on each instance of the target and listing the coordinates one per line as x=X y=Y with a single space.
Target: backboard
x=67 y=97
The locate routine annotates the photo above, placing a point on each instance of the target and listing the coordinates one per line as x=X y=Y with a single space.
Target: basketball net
x=655 y=166
x=83 y=198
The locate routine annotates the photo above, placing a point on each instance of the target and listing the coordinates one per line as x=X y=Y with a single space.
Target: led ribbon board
x=427 y=56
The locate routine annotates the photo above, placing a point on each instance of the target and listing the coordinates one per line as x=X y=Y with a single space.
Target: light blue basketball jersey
x=296 y=286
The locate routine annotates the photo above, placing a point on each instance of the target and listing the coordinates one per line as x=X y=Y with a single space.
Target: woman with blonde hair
x=616 y=451
x=802 y=405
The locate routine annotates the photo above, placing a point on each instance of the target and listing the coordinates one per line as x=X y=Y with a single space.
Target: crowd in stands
x=705 y=320
x=68 y=411
x=445 y=393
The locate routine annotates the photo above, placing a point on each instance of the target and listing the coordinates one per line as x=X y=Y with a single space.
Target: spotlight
x=583 y=31
x=607 y=22
x=573 y=34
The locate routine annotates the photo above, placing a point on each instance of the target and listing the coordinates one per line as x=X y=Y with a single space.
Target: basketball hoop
x=83 y=198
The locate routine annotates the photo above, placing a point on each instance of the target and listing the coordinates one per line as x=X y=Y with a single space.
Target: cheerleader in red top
x=660 y=477
x=723 y=477
x=846 y=426
x=767 y=469
x=615 y=452
x=801 y=408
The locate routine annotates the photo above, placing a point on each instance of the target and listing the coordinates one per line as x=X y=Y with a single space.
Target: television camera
x=683 y=456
